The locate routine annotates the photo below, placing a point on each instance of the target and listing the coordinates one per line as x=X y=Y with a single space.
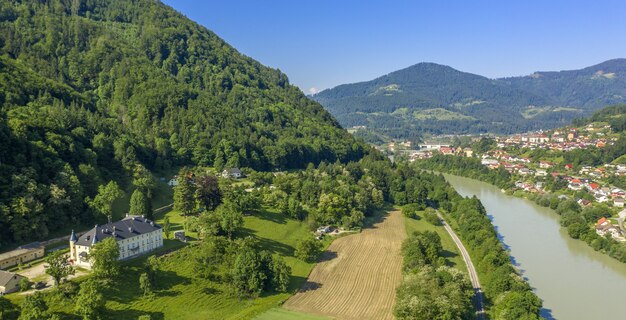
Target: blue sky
x=324 y=43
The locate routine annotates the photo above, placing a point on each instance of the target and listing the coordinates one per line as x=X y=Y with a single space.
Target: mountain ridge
x=501 y=105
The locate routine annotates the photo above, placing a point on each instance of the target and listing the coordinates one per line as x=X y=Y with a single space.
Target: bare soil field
x=357 y=276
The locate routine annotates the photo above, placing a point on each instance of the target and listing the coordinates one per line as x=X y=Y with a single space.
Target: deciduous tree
x=58 y=266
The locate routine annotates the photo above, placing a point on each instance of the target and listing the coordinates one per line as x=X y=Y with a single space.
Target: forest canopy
x=92 y=90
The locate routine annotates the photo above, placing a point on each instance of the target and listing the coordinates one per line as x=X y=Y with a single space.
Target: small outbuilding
x=9 y=282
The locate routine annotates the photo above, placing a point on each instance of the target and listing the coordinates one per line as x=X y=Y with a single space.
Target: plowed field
x=357 y=276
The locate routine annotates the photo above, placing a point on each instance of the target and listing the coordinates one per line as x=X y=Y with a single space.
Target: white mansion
x=134 y=235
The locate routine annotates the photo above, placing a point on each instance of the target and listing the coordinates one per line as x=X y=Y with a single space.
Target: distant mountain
x=589 y=88
x=433 y=98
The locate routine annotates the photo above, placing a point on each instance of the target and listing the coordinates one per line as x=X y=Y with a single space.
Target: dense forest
x=92 y=91
x=437 y=99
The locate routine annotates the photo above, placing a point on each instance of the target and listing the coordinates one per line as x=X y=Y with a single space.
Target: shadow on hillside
x=271 y=216
x=327 y=256
x=127 y=289
x=265 y=243
x=378 y=216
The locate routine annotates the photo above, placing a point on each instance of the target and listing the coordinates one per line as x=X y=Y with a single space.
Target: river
x=573 y=280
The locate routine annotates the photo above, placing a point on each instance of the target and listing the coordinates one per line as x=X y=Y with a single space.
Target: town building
x=9 y=282
x=135 y=236
x=22 y=254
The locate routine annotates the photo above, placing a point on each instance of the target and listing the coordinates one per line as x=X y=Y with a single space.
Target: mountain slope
x=433 y=98
x=589 y=88
x=93 y=90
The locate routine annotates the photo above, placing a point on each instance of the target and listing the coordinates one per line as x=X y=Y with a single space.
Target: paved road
x=478 y=298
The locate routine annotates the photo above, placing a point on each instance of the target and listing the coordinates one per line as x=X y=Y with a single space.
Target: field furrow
x=358 y=275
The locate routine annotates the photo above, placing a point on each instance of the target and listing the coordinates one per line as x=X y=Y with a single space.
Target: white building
x=134 y=235
x=232 y=173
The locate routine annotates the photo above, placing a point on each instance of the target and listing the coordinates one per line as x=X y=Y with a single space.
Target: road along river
x=573 y=280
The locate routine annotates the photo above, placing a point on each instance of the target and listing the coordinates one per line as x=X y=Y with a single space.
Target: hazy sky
x=324 y=43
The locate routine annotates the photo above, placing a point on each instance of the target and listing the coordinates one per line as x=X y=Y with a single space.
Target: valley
x=152 y=170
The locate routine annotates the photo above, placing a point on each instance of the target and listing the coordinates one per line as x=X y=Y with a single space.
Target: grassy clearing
x=181 y=294
x=284 y=314
x=450 y=250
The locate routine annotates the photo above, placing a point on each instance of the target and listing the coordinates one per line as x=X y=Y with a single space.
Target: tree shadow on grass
x=310 y=286
x=449 y=255
x=327 y=256
x=133 y=314
x=127 y=288
x=265 y=243
x=271 y=216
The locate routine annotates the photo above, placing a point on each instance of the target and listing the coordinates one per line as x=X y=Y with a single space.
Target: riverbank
x=560 y=269
x=578 y=222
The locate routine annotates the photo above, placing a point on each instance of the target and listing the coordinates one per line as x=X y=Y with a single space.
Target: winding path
x=478 y=298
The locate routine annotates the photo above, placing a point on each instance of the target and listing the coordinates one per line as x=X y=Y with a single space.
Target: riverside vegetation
x=247 y=243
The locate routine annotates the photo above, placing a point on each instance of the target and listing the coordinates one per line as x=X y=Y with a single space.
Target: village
x=589 y=185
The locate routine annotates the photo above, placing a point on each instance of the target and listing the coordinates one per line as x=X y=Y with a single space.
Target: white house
x=232 y=173
x=618 y=202
x=134 y=235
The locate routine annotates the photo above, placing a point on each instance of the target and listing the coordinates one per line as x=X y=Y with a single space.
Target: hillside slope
x=92 y=89
x=438 y=99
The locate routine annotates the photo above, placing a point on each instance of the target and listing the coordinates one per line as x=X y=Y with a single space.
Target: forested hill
x=438 y=99
x=93 y=91
x=589 y=88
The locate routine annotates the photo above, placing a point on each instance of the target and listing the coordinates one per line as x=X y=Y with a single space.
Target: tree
x=434 y=294
x=410 y=210
x=103 y=201
x=280 y=274
x=58 y=267
x=431 y=216
x=230 y=218
x=517 y=305
x=24 y=285
x=89 y=301
x=167 y=227
x=184 y=194
x=308 y=249
x=377 y=198
x=208 y=193
x=145 y=284
x=247 y=276
x=139 y=204
x=152 y=269
x=34 y=307
x=104 y=257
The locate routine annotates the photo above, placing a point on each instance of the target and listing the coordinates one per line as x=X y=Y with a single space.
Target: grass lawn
x=180 y=294
x=284 y=314
x=450 y=250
